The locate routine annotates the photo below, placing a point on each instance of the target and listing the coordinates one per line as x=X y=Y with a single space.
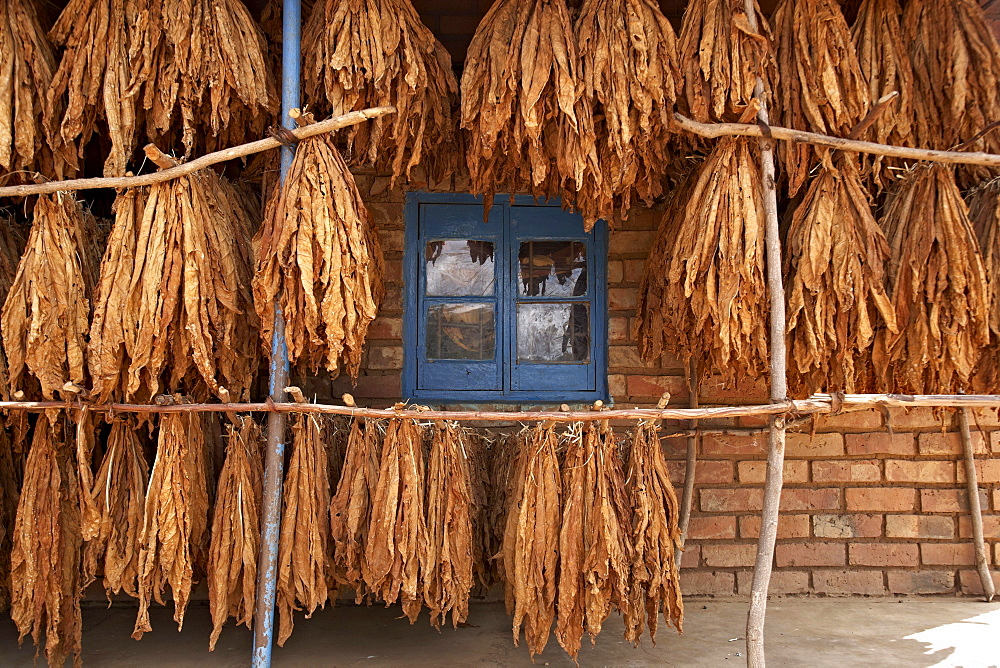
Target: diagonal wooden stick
x=972 y=485
x=329 y=125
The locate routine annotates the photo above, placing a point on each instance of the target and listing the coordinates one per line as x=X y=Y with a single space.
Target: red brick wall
x=865 y=511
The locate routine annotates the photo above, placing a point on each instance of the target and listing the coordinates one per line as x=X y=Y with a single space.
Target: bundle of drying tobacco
x=45 y=560
x=397 y=546
x=530 y=551
x=594 y=540
x=175 y=518
x=984 y=213
x=319 y=260
x=350 y=508
x=721 y=57
x=361 y=54
x=11 y=469
x=303 y=547
x=46 y=314
x=114 y=519
x=822 y=88
x=479 y=451
x=200 y=65
x=27 y=140
x=654 y=581
x=522 y=102
x=447 y=577
x=885 y=65
x=709 y=297
x=12 y=244
x=628 y=62
x=956 y=64
x=938 y=285
x=93 y=77
x=835 y=272
x=235 y=541
x=173 y=305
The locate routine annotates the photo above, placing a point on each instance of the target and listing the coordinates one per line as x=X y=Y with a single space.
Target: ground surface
x=800 y=632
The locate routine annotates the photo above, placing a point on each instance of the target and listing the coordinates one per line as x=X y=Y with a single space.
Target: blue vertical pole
x=274 y=461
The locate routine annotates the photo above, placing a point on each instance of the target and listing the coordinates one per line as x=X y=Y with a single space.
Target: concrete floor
x=800 y=632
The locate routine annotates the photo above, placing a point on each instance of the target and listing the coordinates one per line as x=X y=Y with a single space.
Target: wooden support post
x=972 y=485
x=691 y=465
x=779 y=390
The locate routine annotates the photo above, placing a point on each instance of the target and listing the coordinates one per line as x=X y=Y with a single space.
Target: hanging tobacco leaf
x=822 y=87
x=112 y=529
x=654 y=581
x=360 y=54
x=396 y=551
x=175 y=518
x=45 y=569
x=531 y=540
x=721 y=57
x=303 y=547
x=984 y=214
x=235 y=542
x=447 y=578
x=836 y=275
x=350 y=508
x=319 y=260
x=46 y=314
x=938 y=285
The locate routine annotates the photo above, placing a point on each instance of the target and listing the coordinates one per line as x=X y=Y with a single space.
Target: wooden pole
x=972 y=485
x=691 y=465
x=176 y=171
x=712 y=130
x=779 y=391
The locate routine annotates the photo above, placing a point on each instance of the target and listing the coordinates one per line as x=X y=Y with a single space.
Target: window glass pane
x=552 y=268
x=457 y=267
x=460 y=332
x=553 y=332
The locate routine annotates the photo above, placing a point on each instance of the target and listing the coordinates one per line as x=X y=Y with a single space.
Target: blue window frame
x=512 y=309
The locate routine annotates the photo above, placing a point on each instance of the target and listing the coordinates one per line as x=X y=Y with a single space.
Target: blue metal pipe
x=274 y=460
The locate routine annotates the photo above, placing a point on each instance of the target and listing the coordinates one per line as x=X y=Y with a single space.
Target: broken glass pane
x=459 y=267
x=553 y=333
x=460 y=332
x=553 y=268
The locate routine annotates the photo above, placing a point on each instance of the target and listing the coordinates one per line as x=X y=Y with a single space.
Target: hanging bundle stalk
x=201 y=67
x=628 y=63
x=12 y=245
x=721 y=57
x=885 y=65
x=303 y=547
x=173 y=309
x=822 y=88
x=235 y=541
x=27 y=140
x=46 y=314
x=522 y=103
x=113 y=521
x=594 y=541
x=938 y=286
x=45 y=561
x=447 y=580
x=956 y=67
x=705 y=296
x=396 y=551
x=530 y=551
x=361 y=54
x=507 y=460
x=350 y=508
x=655 y=579
x=984 y=213
x=175 y=519
x=319 y=260
x=835 y=270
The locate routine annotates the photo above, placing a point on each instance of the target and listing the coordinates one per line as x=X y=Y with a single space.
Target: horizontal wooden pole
x=817 y=403
x=712 y=130
x=311 y=130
